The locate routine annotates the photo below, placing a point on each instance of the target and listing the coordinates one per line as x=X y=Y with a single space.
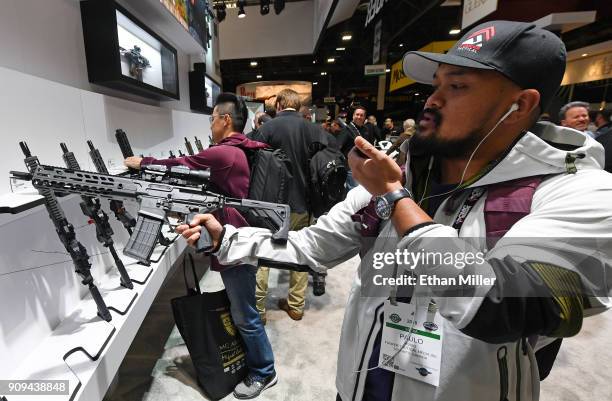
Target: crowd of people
x=457 y=172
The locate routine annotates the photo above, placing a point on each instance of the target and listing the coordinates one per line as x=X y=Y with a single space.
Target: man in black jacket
x=604 y=136
x=290 y=132
x=346 y=138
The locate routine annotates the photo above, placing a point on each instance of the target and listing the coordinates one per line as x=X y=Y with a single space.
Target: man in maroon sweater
x=230 y=176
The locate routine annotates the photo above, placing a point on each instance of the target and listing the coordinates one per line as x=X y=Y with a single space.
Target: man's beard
x=432 y=144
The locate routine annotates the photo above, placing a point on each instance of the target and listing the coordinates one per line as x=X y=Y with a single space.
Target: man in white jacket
x=434 y=339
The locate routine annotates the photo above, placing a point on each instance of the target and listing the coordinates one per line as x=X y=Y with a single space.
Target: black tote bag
x=214 y=343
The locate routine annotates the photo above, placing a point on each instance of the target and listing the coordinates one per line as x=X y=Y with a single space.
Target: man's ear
x=527 y=102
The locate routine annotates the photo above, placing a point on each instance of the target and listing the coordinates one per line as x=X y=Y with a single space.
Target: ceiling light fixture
x=253 y=63
x=331 y=60
x=315 y=83
x=340 y=49
x=347 y=37
x=279 y=6
x=323 y=73
x=387 y=70
x=401 y=45
x=259 y=77
x=454 y=31
x=585 y=54
x=264 y=7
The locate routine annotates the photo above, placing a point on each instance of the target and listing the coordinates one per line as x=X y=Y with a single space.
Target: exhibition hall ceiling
x=337 y=67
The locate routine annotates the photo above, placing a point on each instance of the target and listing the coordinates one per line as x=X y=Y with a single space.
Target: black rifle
x=198 y=144
x=66 y=234
x=126 y=148
x=189 y=147
x=171 y=155
x=180 y=152
x=92 y=208
x=156 y=202
x=115 y=206
x=124 y=143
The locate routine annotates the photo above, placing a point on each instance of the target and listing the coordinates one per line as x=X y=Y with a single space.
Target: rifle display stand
x=80 y=348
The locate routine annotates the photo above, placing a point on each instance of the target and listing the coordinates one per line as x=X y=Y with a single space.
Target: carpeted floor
x=305 y=351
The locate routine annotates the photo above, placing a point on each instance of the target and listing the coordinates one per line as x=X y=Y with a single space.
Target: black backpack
x=327 y=176
x=271 y=173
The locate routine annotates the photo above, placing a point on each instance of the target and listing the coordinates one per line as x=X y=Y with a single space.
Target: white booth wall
x=45 y=99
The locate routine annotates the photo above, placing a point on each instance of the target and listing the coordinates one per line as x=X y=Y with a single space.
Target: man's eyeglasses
x=212 y=117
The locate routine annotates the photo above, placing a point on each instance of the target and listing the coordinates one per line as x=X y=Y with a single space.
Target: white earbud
x=512 y=109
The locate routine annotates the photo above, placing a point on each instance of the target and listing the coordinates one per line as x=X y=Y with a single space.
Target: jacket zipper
x=502 y=363
x=520 y=344
x=365 y=348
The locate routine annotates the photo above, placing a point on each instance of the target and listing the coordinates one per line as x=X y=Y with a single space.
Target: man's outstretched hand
x=192 y=231
x=377 y=172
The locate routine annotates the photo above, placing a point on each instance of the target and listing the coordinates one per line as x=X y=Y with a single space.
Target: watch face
x=383 y=208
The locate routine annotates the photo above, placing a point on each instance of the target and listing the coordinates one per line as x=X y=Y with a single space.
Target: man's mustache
x=431 y=113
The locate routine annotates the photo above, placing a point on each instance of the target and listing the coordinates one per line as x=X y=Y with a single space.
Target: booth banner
x=588 y=69
x=266 y=91
x=400 y=80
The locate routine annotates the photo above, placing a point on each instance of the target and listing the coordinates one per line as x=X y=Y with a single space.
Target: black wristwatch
x=384 y=204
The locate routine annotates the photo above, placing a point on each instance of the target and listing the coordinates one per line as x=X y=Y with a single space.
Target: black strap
x=468 y=205
x=195 y=277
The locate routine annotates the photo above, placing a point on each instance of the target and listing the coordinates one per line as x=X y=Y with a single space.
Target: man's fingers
x=369 y=150
x=190 y=231
x=193 y=239
x=182 y=228
x=200 y=219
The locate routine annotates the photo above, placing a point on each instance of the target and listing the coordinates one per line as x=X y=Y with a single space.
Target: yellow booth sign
x=399 y=80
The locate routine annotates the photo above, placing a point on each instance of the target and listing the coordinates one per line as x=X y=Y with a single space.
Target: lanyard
x=467 y=206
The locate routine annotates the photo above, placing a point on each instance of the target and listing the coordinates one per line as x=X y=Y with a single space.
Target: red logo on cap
x=474 y=41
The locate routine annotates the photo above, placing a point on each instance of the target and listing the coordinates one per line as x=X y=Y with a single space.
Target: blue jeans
x=350 y=181
x=239 y=284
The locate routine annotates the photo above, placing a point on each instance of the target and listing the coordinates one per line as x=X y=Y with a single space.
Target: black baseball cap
x=531 y=57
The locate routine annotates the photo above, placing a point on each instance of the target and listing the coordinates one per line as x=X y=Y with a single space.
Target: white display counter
x=54 y=333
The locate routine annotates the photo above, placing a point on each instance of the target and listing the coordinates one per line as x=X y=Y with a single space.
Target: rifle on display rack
x=189 y=147
x=92 y=208
x=124 y=143
x=198 y=144
x=126 y=148
x=172 y=156
x=115 y=206
x=180 y=153
x=156 y=202
x=65 y=232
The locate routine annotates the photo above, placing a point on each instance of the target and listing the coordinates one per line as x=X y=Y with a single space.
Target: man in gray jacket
x=411 y=332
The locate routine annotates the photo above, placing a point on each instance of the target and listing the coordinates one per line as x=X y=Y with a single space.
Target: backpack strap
x=506 y=203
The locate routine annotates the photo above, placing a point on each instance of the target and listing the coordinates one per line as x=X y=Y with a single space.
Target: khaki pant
x=298 y=281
